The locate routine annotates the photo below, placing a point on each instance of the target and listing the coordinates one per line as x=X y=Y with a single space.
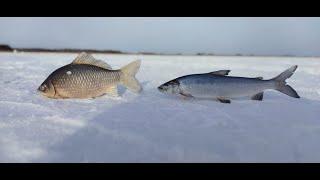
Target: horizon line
x=8 y=48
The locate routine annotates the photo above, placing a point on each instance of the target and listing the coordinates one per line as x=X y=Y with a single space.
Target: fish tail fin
x=128 y=76
x=281 y=84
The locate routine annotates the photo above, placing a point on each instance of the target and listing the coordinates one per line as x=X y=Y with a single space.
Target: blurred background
x=215 y=36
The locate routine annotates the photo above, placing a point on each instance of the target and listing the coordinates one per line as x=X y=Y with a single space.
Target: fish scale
x=84 y=80
x=87 y=77
x=219 y=86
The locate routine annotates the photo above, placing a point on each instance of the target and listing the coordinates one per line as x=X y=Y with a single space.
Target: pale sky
x=257 y=36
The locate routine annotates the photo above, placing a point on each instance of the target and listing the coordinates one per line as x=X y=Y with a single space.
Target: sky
x=219 y=35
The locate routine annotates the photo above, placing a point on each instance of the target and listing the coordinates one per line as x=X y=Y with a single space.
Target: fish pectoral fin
x=257 y=97
x=112 y=91
x=220 y=72
x=185 y=94
x=261 y=78
x=85 y=58
x=59 y=96
x=223 y=100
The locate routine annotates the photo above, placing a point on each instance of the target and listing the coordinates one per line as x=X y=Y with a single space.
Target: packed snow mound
x=154 y=127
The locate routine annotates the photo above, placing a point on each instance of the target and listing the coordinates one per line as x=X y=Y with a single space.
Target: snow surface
x=153 y=127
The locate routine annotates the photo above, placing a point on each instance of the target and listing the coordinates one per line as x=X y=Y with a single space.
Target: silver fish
x=219 y=86
x=87 y=77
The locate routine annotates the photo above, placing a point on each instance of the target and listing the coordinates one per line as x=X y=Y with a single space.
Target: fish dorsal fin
x=85 y=58
x=220 y=72
x=261 y=78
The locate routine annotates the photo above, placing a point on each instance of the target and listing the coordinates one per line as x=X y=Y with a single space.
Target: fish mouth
x=39 y=90
x=160 y=88
x=47 y=90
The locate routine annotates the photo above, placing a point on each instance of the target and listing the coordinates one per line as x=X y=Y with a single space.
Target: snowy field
x=153 y=127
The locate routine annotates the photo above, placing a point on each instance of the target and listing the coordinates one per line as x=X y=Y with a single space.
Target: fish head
x=47 y=89
x=171 y=87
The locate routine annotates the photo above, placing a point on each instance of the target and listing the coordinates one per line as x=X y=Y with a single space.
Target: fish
x=219 y=86
x=87 y=77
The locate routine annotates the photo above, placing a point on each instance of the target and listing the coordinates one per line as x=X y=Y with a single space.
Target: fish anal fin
x=220 y=72
x=85 y=58
x=223 y=100
x=258 y=96
x=112 y=91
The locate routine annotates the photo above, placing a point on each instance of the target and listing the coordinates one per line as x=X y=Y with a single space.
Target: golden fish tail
x=128 y=76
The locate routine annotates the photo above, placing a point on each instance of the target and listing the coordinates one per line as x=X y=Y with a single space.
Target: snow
x=154 y=127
